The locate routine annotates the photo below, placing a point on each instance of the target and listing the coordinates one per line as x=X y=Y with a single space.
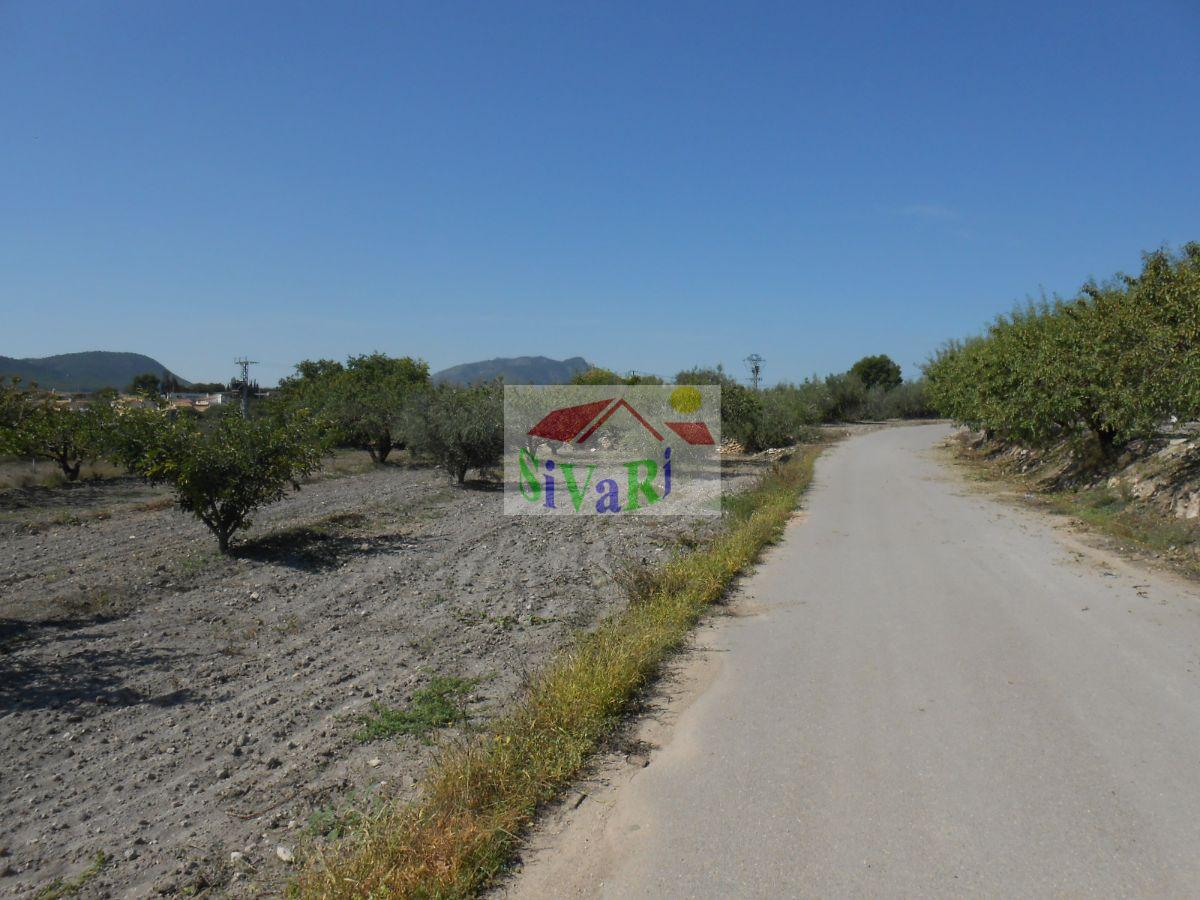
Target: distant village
x=198 y=401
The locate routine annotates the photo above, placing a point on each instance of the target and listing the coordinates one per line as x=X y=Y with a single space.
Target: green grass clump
x=438 y=704
x=485 y=792
x=60 y=888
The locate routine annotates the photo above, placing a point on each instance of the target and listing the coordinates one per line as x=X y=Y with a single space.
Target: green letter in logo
x=531 y=488
x=573 y=488
x=644 y=486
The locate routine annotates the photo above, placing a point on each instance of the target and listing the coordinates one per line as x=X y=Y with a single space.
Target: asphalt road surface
x=933 y=693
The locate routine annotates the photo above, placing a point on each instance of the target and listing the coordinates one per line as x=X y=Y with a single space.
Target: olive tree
x=460 y=428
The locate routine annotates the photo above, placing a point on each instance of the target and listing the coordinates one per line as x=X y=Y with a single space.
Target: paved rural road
x=934 y=693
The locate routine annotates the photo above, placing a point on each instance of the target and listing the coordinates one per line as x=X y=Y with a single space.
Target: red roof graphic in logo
x=692 y=432
x=563 y=424
x=570 y=423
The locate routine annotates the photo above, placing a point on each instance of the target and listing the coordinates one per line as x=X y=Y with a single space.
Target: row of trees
x=380 y=404
x=780 y=415
x=1109 y=366
x=222 y=467
x=150 y=385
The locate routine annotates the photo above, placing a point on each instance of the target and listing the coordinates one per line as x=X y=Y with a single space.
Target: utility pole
x=754 y=361
x=245 y=364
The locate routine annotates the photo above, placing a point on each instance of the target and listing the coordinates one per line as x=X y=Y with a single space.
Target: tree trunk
x=462 y=474
x=1107 y=438
x=382 y=449
x=371 y=450
x=71 y=471
x=223 y=541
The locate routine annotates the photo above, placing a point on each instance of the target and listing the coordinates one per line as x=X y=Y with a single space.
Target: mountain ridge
x=89 y=370
x=515 y=370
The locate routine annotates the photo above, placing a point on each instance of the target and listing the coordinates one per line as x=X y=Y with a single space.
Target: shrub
x=596 y=375
x=845 y=398
x=223 y=474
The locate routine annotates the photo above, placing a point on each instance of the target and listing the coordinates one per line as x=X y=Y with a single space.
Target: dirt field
x=194 y=718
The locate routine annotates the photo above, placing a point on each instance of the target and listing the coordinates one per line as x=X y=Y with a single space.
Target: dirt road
x=928 y=692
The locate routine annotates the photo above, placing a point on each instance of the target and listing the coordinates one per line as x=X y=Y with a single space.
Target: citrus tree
x=223 y=473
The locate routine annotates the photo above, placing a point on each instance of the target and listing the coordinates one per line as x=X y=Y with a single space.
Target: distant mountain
x=84 y=371
x=515 y=370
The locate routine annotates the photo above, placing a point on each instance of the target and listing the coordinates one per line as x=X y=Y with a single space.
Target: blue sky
x=649 y=185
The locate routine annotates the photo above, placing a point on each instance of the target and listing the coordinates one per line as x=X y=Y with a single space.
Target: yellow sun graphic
x=685 y=399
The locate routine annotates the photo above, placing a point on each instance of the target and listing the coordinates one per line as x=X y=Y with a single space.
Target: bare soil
x=192 y=717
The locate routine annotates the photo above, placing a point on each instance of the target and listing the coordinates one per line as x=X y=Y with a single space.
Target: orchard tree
x=362 y=403
x=13 y=404
x=224 y=473
x=460 y=428
x=131 y=433
x=845 y=398
x=42 y=429
x=1111 y=365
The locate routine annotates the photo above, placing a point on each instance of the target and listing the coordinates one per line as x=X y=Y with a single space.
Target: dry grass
x=19 y=474
x=486 y=791
x=344 y=461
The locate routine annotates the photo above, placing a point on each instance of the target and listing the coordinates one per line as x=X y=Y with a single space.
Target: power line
x=754 y=361
x=245 y=364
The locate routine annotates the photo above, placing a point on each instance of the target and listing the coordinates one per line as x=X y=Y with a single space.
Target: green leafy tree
x=147 y=385
x=741 y=409
x=703 y=375
x=845 y=398
x=597 y=375
x=1111 y=365
x=877 y=371
x=362 y=403
x=132 y=432
x=13 y=404
x=44 y=428
x=460 y=428
x=785 y=416
x=224 y=473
